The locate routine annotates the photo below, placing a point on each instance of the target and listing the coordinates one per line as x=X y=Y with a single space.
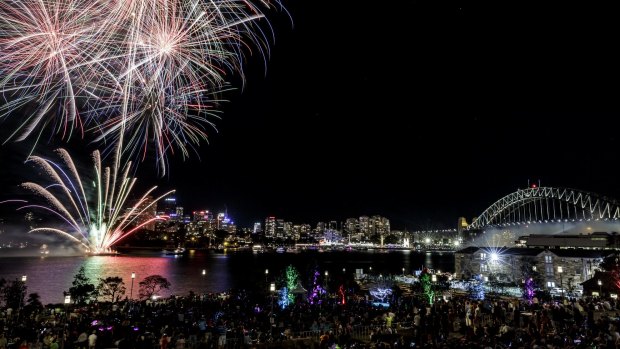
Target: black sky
x=420 y=111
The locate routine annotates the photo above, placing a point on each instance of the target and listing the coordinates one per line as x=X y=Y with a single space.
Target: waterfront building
x=558 y=268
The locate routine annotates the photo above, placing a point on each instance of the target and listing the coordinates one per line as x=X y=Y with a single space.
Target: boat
x=174 y=252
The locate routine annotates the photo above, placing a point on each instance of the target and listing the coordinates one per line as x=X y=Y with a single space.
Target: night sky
x=420 y=111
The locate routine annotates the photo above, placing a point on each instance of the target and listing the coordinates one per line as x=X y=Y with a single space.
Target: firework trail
x=147 y=73
x=95 y=216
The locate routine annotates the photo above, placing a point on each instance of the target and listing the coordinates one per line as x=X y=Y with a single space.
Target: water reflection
x=51 y=276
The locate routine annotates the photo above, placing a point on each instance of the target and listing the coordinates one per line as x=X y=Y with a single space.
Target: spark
x=148 y=73
x=96 y=217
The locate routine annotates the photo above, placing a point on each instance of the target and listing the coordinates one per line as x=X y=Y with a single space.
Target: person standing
x=164 y=341
x=92 y=340
x=3 y=341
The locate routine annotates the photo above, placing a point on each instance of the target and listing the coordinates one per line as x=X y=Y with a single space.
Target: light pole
x=21 y=300
x=326 y=276
x=600 y=288
x=266 y=274
x=560 y=270
x=67 y=302
x=403 y=271
x=133 y=276
x=272 y=289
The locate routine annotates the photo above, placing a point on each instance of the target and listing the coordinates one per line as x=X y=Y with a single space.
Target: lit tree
x=476 y=288
x=317 y=289
x=342 y=294
x=427 y=286
x=529 y=290
x=291 y=282
x=531 y=278
x=151 y=285
x=111 y=288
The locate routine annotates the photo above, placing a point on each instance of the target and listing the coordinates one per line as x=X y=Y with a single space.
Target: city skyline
x=420 y=112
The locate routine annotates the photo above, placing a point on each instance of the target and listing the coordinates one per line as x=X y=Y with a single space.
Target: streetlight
x=403 y=271
x=133 y=276
x=204 y=272
x=600 y=288
x=272 y=288
x=344 y=270
x=560 y=270
x=266 y=274
x=24 y=278
x=326 y=276
x=67 y=302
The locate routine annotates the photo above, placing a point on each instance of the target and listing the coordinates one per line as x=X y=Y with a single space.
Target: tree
x=611 y=263
x=14 y=293
x=570 y=287
x=476 y=288
x=111 y=288
x=33 y=304
x=390 y=239
x=82 y=289
x=427 y=285
x=151 y=285
x=531 y=278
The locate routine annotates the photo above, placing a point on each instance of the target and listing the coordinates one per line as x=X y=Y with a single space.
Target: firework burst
x=145 y=72
x=95 y=216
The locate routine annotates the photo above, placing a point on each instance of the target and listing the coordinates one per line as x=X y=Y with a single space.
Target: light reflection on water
x=52 y=275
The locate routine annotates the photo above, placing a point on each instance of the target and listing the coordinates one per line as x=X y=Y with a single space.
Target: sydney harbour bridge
x=549 y=209
x=547 y=205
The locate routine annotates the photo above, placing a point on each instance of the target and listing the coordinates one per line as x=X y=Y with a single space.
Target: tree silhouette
x=82 y=289
x=33 y=304
x=13 y=294
x=111 y=288
x=151 y=285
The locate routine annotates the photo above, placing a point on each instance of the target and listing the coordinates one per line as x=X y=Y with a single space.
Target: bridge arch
x=547 y=204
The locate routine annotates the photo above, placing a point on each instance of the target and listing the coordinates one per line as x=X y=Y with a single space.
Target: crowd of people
x=239 y=319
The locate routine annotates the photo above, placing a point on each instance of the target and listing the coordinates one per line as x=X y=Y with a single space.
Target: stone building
x=558 y=268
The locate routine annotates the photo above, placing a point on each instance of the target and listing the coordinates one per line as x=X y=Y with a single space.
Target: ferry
x=174 y=252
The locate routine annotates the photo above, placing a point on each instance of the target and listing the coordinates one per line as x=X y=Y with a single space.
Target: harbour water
x=50 y=276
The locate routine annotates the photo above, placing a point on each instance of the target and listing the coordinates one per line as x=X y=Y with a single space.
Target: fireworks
x=144 y=72
x=94 y=216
